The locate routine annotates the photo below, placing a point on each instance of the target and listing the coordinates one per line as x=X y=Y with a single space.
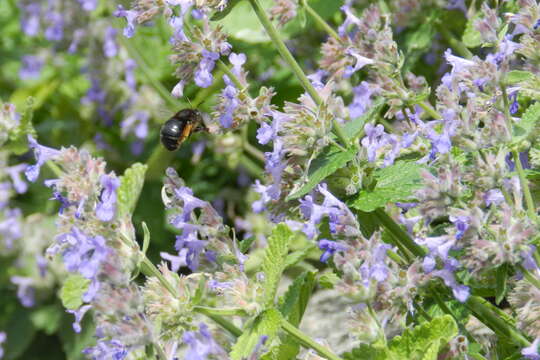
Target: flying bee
x=179 y=127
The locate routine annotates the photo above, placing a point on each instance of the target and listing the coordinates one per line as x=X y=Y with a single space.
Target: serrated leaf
x=328 y=280
x=529 y=121
x=297 y=256
x=471 y=37
x=294 y=302
x=433 y=335
x=395 y=183
x=128 y=192
x=517 y=76
x=274 y=260
x=72 y=291
x=266 y=324
x=354 y=128
x=329 y=160
x=366 y=352
x=500 y=281
x=245 y=244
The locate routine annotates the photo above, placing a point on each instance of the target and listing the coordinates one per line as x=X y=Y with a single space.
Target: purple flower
x=514 y=106
x=79 y=314
x=362 y=99
x=84 y=255
x=461 y=223
x=350 y=18
x=203 y=74
x=78 y=35
x=136 y=123
x=237 y=60
x=129 y=67
x=493 y=196
x=313 y=213
x=15 y=173
x=229 y=94
x=64 y=202
x=329 y=247
x=106 y=207
x=107 y=349
x=188 y=240
x=42 y=154
x=259 y=205
x=529 y=262
x=2 y=340
x=10 y=227
x=178 y=90
x=361 y=61
x=190 y=203
x=202 y=345
x=375 y=138
x=110 y=48
x=176 y=261
x=131 y=18
x=88 y=5
x=461 y=292
x=55 y=31
x=25 y=290
x=30 y=18
x=531 y=352
x=31 y=67
x=316 y=78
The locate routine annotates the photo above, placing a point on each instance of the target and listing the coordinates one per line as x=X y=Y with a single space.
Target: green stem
x=54 y=168
x=216 y=311
x=223 y=67
x=158 y=162
x=399 y=234
x=319 y=20
x=253 y=151
x=307 y=341
x=430 y=110
x=530 y=277
x=149 y=269
x=500 y=327
x=457 y=45
x=252 y=167
x=289 y=59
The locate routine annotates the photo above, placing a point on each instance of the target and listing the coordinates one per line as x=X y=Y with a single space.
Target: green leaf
x=471 y=37
x=331 y=159
x=131 y=184
x=366 y=352
x=20 y=333
x=299 y=255
x=424 y=341
x=396 y=183
x=243 y=24
x=355 y=127
x=501 y=277
x=245 y=244
x=223 y=13
x=294 y=302
x=517 y=76
x=72 y=343
x=268 y=324
x=72 y=290
x=529 y=121
x=328 y=280
x=18 y=143
x=421 y=39
x=47 y=318
x=274 y=260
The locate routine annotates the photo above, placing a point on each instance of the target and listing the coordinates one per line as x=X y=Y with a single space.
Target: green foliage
x=72 y=290
x=131 y=184
x=331 y=159
x=528 y=123
x=501 y=277
x=423 y=342
x=47 y=318
x=274 y=260
x=354 y=128
x=266 y=324
x=18 y=143
x=20 y=333
x=394 y=183
x=471 y=37
x=516 y=76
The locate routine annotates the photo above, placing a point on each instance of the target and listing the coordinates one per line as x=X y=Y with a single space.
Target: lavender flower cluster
x=416 y=209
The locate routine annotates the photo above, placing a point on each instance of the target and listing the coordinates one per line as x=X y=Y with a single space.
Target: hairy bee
x=179 y=127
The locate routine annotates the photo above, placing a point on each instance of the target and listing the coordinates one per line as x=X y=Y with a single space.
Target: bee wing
x=163 y=114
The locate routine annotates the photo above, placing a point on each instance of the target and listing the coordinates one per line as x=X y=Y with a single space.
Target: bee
x=179 y=127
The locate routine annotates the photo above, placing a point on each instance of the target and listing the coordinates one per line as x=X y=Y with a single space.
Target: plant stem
x=399 y=234
x=530 y=277
x=457 y=45
x=307 y=341
x=251 y=166
x=253 y=151
x=499 y=326
x=289 y=59
x=430 y=110
x=149 y=269
x=319 y=20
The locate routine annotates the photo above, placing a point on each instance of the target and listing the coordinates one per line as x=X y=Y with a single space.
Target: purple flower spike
x=362 y=99
x=374 y=140
x=107 y=349
x=230 y=94
x=86 y=253
x=88 y=5
x=30 y=18
x=131 y=18
x=15 y=173
x=531 y=352
x=64 y=203
x=202 y=345
x=360 y=62
x=25 y=290
x=42 y=154
x=31 y=67
x=514 y=106
x=79 y=314
x=203 y=75
x=237 y=60
x=461 y=292
x=190 y=203
x=329 y=247
x=493 y=196
x=106 y=208
x=110 y=48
